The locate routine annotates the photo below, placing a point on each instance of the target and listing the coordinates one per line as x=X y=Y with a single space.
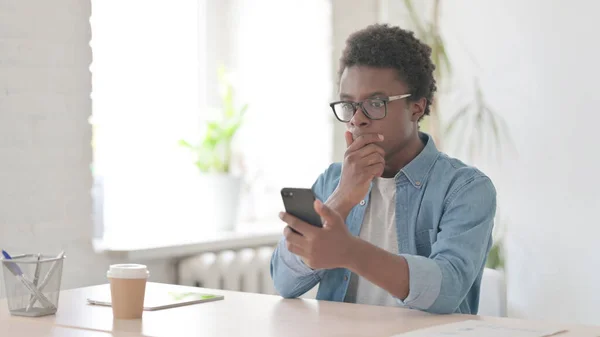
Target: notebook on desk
x=163 y=300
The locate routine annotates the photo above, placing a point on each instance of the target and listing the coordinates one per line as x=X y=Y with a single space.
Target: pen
x=46 y=278
x=36 y=275
x=15 y=270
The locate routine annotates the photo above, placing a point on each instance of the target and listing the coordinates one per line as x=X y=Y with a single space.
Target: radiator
x=242 y=270
x=246 y=270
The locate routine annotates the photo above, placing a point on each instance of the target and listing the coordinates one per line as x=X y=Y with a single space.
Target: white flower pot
x=220 y=199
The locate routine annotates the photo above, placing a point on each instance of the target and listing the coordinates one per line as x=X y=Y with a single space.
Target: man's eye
x=347 y=107
x=376 y=103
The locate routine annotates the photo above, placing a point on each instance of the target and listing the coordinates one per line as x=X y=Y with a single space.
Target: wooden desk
x=245 y=314
x=33 y=329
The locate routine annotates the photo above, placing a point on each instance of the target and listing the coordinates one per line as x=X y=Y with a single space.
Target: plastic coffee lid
x=128 y=271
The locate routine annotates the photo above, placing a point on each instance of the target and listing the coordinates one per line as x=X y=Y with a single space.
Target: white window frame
x=221 y=44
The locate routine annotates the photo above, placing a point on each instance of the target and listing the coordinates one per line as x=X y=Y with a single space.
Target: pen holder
x=32 y=284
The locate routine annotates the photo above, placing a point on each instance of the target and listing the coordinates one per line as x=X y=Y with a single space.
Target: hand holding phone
x=319 y=248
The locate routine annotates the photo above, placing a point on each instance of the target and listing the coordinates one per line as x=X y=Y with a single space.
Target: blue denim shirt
x=444 y=217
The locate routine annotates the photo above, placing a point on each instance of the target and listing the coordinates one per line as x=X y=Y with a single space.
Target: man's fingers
x=375 y=170
x=363 y=140
x=373 y=158
x=370 y=149
x=298 y=225
x=349 y=138
x=294 y=242
x=294 y=249
x=292 y=237
x=330 y=216
x=367 y=156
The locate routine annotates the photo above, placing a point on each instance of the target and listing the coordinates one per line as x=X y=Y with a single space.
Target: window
x=154 y=73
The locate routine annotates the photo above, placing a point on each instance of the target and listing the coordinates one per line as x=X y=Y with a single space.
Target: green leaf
x=232 y=129
x=228 y=108
x=213 y=153
x=415 y=18
x=243 y=110
x=497 y=138
x=214 y=134
x=495 y=259
x=221 y=74
x=203 y=167
x=443 y=55
x=456 y=119
x=184 y=143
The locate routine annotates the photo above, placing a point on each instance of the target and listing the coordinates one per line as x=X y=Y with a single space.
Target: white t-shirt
x=378 y=228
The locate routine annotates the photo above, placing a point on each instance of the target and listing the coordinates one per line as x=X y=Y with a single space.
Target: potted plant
x=213 y=159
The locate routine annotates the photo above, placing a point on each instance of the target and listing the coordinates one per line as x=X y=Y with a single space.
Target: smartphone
x=299 y=202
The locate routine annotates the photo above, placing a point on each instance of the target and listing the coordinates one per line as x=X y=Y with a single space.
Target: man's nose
x=360 y=119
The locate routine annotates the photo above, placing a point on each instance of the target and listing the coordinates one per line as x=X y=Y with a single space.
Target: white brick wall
x=45 y=152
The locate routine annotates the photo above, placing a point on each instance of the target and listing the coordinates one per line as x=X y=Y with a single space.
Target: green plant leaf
x=415 y=18
x=495 y=127
x=495 y=260
x=231 y=130
x=213 y=153
x=214 y=134
x=243 y=110
x=444 y=59
x=227 y=100
x=458 y=118
x=184 y=143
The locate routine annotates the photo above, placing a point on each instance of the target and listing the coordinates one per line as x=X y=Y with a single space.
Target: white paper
x=476 y=328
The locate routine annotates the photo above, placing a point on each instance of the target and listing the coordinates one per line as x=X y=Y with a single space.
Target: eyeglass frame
x=355 y=105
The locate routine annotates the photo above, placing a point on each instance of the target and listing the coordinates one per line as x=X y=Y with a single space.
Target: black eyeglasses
x=373 y=108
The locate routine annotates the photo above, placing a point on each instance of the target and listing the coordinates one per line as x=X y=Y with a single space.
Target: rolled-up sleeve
x=291 y=277
x=425 y=281
x=440 y=283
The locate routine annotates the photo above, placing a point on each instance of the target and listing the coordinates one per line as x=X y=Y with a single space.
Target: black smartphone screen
x=299 y=202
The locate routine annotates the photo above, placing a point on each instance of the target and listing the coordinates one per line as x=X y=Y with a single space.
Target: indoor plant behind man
x=405 y=224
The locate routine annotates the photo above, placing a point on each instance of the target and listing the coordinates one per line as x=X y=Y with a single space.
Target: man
x=404 y=224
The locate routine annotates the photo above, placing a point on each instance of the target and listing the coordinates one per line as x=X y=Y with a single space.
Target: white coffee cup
x=127 y=289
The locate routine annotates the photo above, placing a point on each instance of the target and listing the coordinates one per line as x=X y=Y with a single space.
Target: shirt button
x=362 y=202
x=418 y=183
x=345 y=277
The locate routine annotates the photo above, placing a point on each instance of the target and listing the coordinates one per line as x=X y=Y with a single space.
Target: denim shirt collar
x=417 y=170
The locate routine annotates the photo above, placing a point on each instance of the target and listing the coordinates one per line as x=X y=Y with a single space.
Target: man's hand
x=319 y=248
x=363 y=161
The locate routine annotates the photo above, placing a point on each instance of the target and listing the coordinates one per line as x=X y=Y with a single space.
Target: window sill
x=247 y=235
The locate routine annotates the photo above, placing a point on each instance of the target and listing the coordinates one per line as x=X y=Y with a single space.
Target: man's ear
x=417 y=108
